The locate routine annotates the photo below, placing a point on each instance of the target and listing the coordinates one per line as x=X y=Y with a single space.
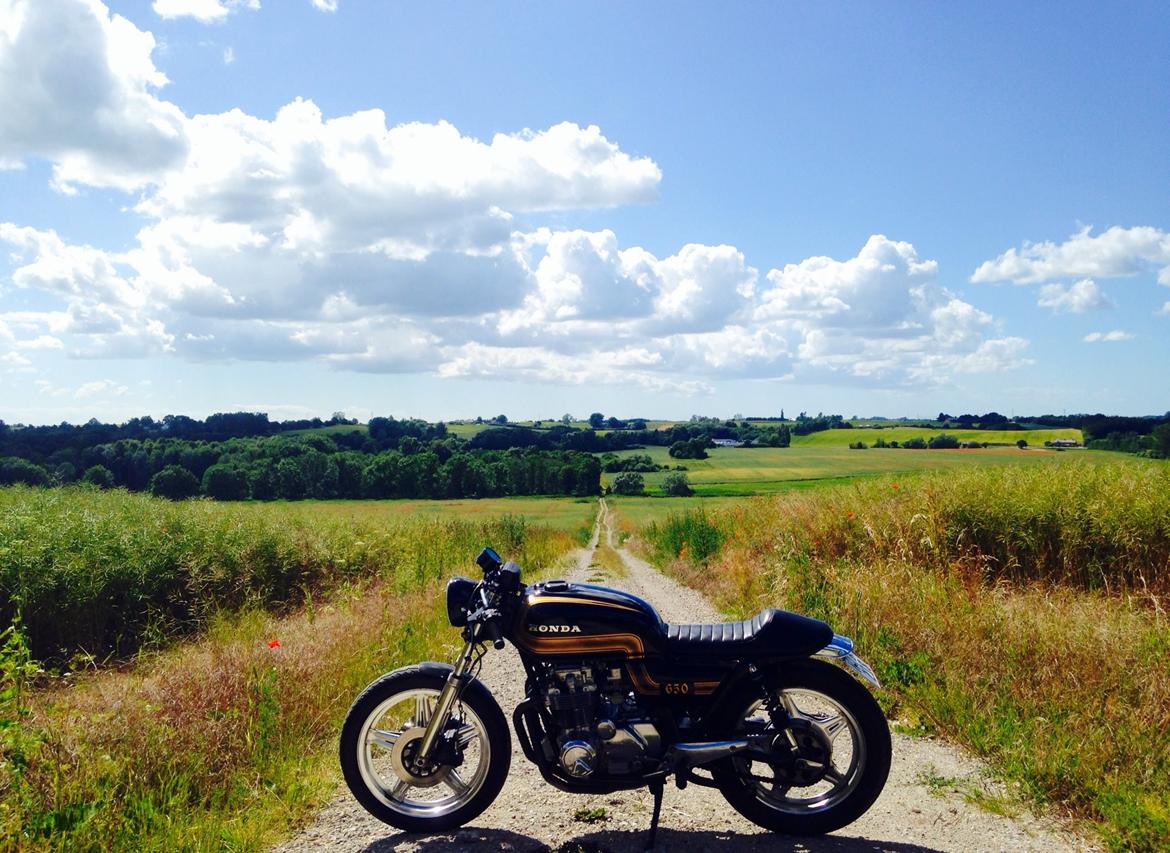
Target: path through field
x=529 y=815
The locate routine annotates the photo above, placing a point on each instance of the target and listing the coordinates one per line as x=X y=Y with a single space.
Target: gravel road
x=530 y=815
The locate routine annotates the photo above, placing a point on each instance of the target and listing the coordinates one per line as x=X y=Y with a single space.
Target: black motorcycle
x=616 y=699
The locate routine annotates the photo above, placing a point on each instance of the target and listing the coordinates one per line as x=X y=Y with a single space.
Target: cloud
x=1114 y=253
x=1079 y=297
x=413 y=247
x=229 y=55
x=325 y=5
x=77 y=85
x=1107 y=337
x=98 y=388
x=204 y=11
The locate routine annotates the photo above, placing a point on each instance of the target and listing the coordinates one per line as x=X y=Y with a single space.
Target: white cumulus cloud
x=1114 y=253
x=370 y=245
x=1107 y=337
x=78 y=89
x=204 y=11
x=1079 y=297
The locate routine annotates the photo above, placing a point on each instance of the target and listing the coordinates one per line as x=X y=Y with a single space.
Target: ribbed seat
x=770 y=632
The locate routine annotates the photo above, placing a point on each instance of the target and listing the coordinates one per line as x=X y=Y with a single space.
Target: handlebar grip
x=493 y=633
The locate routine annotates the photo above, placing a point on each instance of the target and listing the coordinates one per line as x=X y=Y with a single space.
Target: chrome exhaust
x=683 y=756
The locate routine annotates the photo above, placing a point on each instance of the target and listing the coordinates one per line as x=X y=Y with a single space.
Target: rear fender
x=840 y=650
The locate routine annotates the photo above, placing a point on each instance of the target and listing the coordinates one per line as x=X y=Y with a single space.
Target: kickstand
x=656 y=790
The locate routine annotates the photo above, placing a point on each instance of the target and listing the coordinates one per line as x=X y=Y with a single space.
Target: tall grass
x=225 y=741
x=102 y=573
x=1019 y=612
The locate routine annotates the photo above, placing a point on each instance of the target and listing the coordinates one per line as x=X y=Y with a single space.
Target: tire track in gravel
x=530 y=815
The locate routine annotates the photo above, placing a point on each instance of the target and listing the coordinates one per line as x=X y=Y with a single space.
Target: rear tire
x=772 y=806
x=369 y=758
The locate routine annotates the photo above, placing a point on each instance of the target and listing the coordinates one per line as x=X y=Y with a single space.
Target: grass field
x=254 y=626
x=572 y=515
x=763 y=470
x=843 y=437
x=1018 y=610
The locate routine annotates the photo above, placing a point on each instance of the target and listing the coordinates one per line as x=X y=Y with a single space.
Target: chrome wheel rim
x=388 y=734
x=828 y=721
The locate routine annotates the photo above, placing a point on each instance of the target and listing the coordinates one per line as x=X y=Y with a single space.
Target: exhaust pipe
x=684 y=756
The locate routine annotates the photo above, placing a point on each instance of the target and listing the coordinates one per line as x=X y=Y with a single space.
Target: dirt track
x=529 y=815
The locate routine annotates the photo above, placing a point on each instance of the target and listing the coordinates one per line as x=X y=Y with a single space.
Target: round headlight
x=459 y=591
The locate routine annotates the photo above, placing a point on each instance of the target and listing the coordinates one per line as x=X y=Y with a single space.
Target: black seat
x=770 y=632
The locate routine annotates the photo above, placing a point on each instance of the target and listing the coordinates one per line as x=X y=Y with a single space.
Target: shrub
x=174 y=482
x=857 y=445
x=695 y=448
x=943 y=441
x=628 y=483
x=14 y=470
x=676 y=484
x=226 y=483
x=1022 y=444
x=98 y=475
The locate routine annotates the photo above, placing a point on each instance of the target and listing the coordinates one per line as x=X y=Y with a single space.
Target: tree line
x=393 y=459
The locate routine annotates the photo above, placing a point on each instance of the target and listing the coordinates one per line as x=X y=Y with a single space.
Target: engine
x=601 y=729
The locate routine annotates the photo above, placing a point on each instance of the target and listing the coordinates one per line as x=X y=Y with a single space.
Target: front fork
x=448 y=696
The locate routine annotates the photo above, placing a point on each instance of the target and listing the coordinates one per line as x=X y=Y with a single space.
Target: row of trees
x=674 y=484
x=936 y=442
x=346 y=465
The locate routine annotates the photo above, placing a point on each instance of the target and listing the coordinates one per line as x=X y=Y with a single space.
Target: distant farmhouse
x=1065 y=442
x=727 y=442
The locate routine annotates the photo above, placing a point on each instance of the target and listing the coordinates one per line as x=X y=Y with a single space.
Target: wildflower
x=896 y=486
x=851 y=515
x=274 y=644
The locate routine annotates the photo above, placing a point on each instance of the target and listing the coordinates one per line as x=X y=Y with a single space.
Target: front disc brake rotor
x=402 y=759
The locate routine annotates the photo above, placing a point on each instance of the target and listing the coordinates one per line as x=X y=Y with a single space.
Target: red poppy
x=851 y=515
x=274 y=644
x=895 y=485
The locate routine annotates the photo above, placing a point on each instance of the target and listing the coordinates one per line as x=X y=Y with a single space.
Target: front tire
x=385 y=723
x=842 y=740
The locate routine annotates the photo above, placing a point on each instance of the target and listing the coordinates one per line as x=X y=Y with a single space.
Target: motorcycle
x=771 y=711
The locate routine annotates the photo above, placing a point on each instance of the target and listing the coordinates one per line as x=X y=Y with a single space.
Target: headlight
x=459 y=591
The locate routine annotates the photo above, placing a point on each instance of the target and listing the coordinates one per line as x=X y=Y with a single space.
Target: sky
x=445 y=210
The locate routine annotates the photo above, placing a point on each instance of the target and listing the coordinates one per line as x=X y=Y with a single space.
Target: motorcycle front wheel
x=830 y=763
x=384 y=728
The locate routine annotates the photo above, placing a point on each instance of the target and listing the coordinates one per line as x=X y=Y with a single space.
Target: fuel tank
x=560 y=618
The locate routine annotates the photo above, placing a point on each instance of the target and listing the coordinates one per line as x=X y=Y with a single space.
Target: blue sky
x=642 y=209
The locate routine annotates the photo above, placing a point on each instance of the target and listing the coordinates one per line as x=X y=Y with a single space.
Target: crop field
x=572 y=515
x=843 y=437
x=1020 y=610
x=763 y=470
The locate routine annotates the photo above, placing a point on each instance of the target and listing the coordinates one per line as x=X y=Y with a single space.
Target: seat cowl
x=771 y=632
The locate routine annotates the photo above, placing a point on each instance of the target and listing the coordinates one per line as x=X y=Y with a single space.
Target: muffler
x=684 y=756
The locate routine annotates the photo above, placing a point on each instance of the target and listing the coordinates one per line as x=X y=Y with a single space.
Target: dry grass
x=1020 y=614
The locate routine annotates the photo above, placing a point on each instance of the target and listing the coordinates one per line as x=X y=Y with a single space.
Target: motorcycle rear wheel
x=843 y=742
x=386 y=722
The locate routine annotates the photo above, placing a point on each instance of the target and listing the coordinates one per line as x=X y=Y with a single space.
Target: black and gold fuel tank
x=561 y=618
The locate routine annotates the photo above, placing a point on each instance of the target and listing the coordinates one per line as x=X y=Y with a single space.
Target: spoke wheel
x=380 y=746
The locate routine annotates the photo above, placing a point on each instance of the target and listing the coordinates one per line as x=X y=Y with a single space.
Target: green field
x=766 y=470
x=844 y=437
